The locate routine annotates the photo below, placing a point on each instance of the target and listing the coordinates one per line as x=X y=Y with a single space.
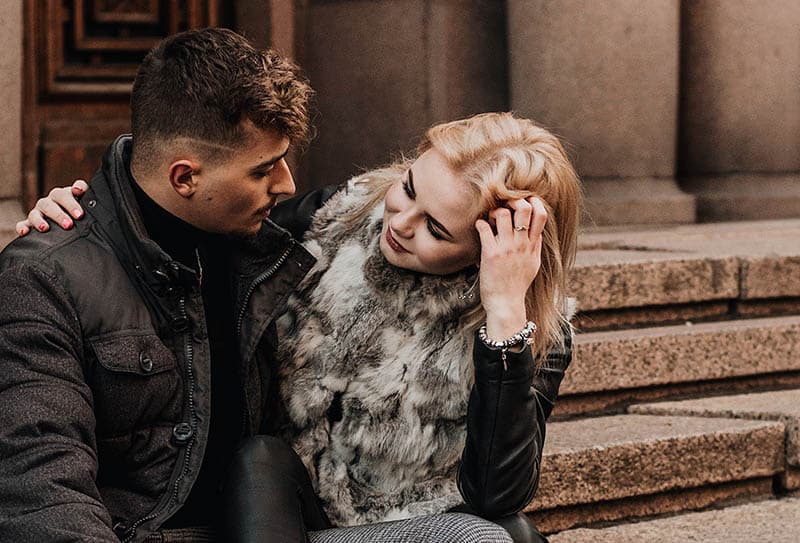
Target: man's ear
x=182 y=177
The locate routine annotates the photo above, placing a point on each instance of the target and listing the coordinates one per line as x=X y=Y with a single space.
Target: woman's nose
x=402 y=224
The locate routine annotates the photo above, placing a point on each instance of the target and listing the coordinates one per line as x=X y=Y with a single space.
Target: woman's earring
x=469 y=294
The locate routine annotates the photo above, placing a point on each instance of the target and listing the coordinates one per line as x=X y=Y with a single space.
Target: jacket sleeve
x=506 y=417
x=48 y=454
x=295 y=214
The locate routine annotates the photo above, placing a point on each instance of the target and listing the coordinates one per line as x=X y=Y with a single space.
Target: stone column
x=385 y=71
x=604 y=77
x=740 y=108
x=10 y=117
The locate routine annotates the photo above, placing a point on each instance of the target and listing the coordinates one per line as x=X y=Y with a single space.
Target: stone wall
x=11 y=98
x=10 y=117
x=740 y=107
x=673 y=110
x=385 y=71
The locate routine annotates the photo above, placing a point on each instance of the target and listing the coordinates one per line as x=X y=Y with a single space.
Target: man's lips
x=393 y=243
x=264 y=211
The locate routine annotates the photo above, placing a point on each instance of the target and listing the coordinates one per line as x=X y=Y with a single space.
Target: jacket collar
x=112 y=203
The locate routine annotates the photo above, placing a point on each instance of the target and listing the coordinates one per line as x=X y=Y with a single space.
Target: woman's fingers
x=58 y=205
x=539 y=217
x=502 y=221
x=66 y=198
x=36 y=220
x=522 y=215
x=485 y=233
x=54 y=206
x=79 y=186
x=23 y=227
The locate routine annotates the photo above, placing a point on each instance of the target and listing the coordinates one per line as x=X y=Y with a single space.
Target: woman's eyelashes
x=432 y=230
x=407 y=186
x=409 y=190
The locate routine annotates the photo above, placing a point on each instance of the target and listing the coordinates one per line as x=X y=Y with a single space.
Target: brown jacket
x=105 y=367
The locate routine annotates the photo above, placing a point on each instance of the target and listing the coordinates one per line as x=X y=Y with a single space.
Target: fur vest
x=375 y=373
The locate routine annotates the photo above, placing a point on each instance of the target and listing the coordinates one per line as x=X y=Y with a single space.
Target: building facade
x=674 y=111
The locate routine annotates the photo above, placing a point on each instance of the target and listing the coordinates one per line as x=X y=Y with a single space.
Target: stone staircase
x=684 y=394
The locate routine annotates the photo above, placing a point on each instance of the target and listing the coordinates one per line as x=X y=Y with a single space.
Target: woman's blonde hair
x=504 y=158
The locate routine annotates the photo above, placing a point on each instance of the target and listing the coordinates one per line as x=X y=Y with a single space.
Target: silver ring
x=520 y=228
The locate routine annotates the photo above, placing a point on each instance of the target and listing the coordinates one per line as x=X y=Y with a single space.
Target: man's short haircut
x=202 y=84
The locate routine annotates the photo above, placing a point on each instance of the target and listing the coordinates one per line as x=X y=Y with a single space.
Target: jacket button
x=182 y=433
x=179 y=324
x=145 y=362
x=120 y=528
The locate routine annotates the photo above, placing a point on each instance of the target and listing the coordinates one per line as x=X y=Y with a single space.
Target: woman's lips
x=392 y=243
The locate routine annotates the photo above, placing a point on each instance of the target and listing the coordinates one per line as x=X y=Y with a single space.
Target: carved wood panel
x=81 y=58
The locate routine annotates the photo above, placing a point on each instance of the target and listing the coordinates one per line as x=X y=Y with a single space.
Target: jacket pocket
x=135 y=354
x=135 y=383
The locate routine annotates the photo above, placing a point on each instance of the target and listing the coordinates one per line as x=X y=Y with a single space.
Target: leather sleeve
x=506 y=417
x=295 y=214
x=48 y=454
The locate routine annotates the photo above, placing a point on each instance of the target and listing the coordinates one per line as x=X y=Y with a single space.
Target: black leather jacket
x=105 y=367
x=507 y=409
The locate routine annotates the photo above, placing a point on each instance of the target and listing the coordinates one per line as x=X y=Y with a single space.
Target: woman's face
x=429 y=221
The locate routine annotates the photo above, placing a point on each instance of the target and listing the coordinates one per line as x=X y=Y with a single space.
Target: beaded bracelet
x=523 y=336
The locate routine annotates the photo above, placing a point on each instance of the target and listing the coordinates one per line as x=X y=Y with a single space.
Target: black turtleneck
x=208 y=254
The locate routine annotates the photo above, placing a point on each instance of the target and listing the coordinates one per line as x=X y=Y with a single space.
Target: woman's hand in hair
x=510 y=261
x=60 y=206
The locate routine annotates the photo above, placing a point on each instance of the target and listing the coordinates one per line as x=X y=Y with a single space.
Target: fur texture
x=376 y=373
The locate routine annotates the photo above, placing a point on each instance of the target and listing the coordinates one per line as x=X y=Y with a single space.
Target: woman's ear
x=182 y=177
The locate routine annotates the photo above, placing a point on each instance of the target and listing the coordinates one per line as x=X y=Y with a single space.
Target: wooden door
x=81 y=58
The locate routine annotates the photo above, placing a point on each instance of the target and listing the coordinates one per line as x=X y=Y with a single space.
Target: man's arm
x=506 y=417
x=48 y=454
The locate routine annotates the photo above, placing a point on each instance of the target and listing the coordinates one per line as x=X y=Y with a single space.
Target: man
x=135 y=347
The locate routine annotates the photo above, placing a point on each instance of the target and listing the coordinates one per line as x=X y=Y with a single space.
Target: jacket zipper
x=189 y=351
x=258 y=280
x=240 y=320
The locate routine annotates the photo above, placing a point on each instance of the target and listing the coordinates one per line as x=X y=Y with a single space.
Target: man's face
x=234 y=195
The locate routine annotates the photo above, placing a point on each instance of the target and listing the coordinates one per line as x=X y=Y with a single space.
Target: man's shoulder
x=45 y=250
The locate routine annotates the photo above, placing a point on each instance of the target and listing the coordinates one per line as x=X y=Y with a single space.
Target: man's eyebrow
x=269 y=162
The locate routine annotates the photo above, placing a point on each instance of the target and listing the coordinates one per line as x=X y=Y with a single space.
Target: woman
x=419 y=266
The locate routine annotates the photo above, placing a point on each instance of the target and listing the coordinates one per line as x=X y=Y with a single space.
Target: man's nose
x=282 y=180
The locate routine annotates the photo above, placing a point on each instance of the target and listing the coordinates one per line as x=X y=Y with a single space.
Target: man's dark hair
x=203 y=83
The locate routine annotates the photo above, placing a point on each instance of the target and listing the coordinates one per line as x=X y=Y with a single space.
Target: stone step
x=773 y=520
x=781 y=405
x=709 y=264
x=613 y=467
x=611 y=368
